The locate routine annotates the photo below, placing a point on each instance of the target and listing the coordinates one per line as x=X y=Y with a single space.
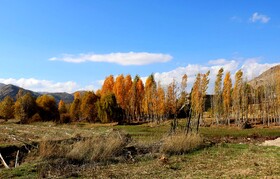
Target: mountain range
x=12 y=91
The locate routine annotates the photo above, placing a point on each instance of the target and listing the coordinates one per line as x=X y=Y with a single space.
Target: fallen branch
x=24 y=142
x=16 y=163
x=3 y=162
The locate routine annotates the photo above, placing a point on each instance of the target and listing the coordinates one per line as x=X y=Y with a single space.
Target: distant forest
x=126 y=100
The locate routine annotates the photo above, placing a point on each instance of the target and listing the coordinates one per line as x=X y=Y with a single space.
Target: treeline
x=125 y=100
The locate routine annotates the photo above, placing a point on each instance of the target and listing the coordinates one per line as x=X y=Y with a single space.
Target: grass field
x=230 y=152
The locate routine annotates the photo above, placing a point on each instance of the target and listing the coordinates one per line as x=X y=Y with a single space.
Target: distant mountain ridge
x=12 y=91
x=266 y=77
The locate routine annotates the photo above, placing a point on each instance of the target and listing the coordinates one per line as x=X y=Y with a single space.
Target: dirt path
x=275 y=142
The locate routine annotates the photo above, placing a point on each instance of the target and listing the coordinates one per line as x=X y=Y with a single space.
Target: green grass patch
x=26 y=170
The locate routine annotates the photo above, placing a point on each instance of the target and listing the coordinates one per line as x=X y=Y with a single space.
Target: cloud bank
x=250 y=67
x=256 y=17
x=130 y=58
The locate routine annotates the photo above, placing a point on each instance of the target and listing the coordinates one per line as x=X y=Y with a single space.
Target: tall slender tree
x=218 y=105
x=75 y=110
x=150 y=92
x=227 y=96
x=108 y=85
x=237 y=95
x=128 y=98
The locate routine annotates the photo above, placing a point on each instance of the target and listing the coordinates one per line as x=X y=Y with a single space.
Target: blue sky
x=67 y=45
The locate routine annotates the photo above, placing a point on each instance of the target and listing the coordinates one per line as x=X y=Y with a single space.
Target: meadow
x=85 y=150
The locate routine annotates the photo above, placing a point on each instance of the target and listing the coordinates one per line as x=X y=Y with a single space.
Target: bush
x=181 y=143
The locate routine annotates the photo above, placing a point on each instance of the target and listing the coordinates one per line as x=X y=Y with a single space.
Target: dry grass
x=96 y=148
x=100 y=148
x=180 y=143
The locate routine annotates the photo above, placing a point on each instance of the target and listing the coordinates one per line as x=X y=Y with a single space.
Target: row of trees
x=123 y=99
x=242 y=102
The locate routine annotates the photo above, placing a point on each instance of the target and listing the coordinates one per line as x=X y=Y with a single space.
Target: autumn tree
x=7 y=108
x=88 y=107
x=127 y=98
x=149 y=97
x=75 y=107
x=25 y=108
x=161 y=102
x=62 y=107
x=137 y=95
x=218 y=104
x=198 y=96
x=47 y=107
x=237 y=94
x=183 y=98
x=119 y=91
x=172 y=103
x=204 y=87
x=227 y=96
x=108 y=110
x=108 y=85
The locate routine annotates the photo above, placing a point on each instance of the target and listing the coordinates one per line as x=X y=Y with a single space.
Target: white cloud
x=130 y=58
x=256 y=17
x=250 y=67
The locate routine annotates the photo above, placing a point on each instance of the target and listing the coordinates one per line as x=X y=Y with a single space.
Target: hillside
x=12 y=90
x=266 y=77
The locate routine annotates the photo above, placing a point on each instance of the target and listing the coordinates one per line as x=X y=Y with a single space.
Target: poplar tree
x=119 y=91
x=108 y=85
x=137 y=95
x=88 y=107
x=128 y=98
x=237 y=94
x=227 y=96
x=75 y=107
x=150 y=92
x=161 y=105
x=218 y=104
x=62 y=107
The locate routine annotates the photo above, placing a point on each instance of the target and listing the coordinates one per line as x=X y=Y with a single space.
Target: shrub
x=180 y=143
